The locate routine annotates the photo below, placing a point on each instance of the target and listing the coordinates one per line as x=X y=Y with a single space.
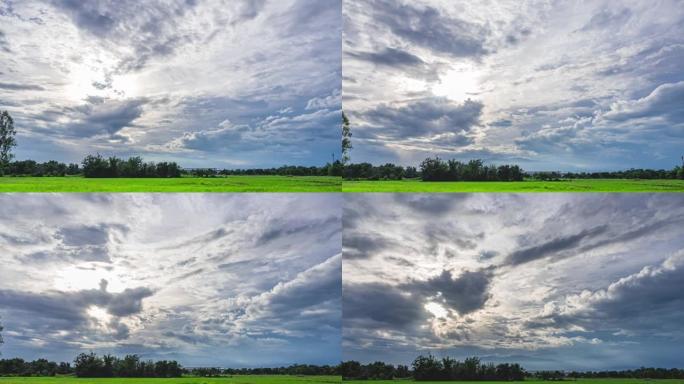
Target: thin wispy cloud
x=253 y=281
x=562 y=85
x=205 y=83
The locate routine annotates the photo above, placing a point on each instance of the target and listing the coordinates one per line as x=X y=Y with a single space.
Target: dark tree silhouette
x=7 y=139
x=346 y=139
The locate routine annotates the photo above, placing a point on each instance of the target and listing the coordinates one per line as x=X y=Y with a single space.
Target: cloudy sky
x=254 y=281
x=545 y=84
x=224 y=83
x=555 y=281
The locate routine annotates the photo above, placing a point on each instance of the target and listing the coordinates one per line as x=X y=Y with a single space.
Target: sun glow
x=75 y=278
x=459 y=84
x=101 y=318
x=437 y=310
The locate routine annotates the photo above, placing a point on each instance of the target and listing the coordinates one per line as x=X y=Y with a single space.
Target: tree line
x=97 y=166
x=634 y=173
x=92 y=365
x=431 y=368
x=329 y=169
x=436 y=169
x=295 y=370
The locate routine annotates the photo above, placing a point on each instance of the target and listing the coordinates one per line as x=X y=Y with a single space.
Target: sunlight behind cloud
x=459 y=84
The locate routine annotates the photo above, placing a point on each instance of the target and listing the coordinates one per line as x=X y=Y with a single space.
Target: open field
x=183 y=184
x=249 y=379
x=591 y=185
x=578 y=381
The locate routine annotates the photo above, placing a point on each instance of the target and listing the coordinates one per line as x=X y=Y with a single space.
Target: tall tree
x=7 y=140
x=1 y=334
x=346 y=139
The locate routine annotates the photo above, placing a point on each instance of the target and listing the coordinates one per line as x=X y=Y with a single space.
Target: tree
x=7 y=140
x=88 y=365
x=1 y=334
x=346 y=139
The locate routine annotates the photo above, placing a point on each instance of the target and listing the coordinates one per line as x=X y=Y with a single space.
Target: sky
x=206 y=83
x=548 y=85
x=239 y=280
x=551 y=281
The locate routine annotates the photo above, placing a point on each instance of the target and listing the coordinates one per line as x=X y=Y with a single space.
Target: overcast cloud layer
x=546 y=84
x=552 y=281
x=219 y=83
x=209 y=280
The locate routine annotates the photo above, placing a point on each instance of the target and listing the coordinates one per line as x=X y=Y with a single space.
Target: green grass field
x=579 y=381
x=183 y=184
x=249 y=379
x=597 y=185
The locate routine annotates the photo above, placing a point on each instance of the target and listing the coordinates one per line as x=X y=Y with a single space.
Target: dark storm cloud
x=68 y=310
x=553 y=248
x=378 y=306
x=465 y=293
x=425 y=118
x=427 y=27
x=20 y=87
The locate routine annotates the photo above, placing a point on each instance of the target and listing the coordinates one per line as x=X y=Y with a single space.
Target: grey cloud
x=607 y=17
x=465 y=293
x=4 y=44
x=432 y=204
x=70 y=308
x=151 y=30
x=665 y=101
x=427 y=27
x=402 y=60
x=97 y=117
x=378 y=305
x=84 y=235
x=649 y=300
x=272 y=132
x=362 y=245
x=20 y=87
x=554 y=247
x=332 y=101
x=426 y=118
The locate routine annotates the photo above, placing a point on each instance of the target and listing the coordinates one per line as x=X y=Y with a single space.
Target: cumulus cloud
x=425 y=118
x=72 y=308
x=554 y=91
x=428 y=27
x=506 y=275
x=630 y=305
x=158 y=80
x=254 y=281
x=664 y=102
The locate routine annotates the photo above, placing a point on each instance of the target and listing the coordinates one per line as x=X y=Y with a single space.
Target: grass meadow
x=247 y=379
x=578 y=381
x=183 y=184
x=577 y=185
